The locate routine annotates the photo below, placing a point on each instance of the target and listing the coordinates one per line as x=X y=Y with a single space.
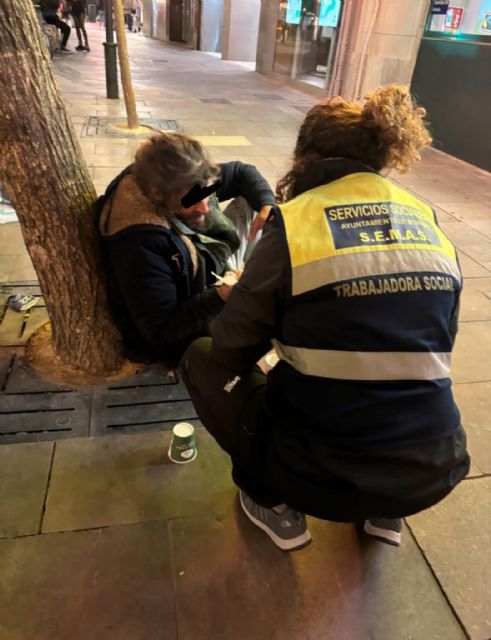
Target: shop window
x=460 y=19
x=306 y=36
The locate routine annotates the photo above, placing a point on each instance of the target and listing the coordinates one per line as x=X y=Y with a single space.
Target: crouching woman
x=357 y=288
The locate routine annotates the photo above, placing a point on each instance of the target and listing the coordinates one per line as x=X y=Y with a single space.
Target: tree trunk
x=45 y=176
x=124 y=65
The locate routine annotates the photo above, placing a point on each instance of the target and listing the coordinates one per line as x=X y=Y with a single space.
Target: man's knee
x=195 y=358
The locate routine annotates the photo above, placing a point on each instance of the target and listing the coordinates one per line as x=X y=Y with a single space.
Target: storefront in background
x=460 y=18
x=452 y=78
x=173 y=21
x=306 y=36
x=184 y=22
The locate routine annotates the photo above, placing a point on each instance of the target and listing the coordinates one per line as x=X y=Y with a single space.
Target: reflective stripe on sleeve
x=365 y=365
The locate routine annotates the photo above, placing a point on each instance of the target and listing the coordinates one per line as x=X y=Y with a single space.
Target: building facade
x=228 y=27
x=442 y=48
x=330 y=47
x=452 y=78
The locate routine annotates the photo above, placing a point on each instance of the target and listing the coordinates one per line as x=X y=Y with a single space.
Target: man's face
x=194 y=216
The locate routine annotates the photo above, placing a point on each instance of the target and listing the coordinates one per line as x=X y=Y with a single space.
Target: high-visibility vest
x=374 y=284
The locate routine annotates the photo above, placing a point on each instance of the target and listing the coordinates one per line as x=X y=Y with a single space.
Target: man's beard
x=194 y=224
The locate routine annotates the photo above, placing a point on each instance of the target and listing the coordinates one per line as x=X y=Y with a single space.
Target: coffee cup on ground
x=183 y=445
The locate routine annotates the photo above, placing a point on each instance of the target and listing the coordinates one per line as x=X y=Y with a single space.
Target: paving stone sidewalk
x=104 y=538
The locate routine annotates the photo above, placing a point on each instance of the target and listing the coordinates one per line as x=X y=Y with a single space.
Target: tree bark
x=124 y=65
x=44 y=173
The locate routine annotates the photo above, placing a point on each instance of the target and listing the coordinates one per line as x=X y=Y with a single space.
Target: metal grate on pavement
x=152 y=400
x=215 y=101
x=33 y=408
x=269 y=96
x=103 y=127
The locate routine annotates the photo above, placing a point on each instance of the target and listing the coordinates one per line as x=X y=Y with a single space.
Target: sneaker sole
x=285 y=545
x=384 y=535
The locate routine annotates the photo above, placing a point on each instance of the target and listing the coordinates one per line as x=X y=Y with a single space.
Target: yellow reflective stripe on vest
x=362 y=225
x=364 y=365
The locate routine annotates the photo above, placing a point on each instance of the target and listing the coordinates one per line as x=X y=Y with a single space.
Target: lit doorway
x=184 y=22
x=306 y=37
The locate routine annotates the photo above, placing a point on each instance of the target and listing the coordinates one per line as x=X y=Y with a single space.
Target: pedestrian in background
x=138 y=16
x=79 y=9
x=101 y=13
x=128 y=9
x=49 y=9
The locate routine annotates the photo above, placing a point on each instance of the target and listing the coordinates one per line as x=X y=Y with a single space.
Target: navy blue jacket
x=343 y=449
x=156 y=302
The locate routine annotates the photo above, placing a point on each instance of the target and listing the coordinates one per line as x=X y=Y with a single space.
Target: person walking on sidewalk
x=358 y=289
x=128 y=9
x=49 y=9
x=137 y=19
x=79 y=9
x=101 y=13
x=164 y=238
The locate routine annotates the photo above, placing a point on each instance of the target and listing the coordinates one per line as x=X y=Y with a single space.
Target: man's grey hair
x=170 y=163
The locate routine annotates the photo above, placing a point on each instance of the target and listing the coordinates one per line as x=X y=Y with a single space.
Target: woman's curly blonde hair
x=385 y=131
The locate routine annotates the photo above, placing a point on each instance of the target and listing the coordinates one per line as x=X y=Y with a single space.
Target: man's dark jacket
x=159 y=296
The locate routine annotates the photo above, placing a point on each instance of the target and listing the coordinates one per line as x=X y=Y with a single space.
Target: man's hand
x=259 y=220
x=224 y=291
x=225 y=284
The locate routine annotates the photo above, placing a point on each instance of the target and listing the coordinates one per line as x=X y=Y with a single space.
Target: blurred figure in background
x=101 y=13
x=137 y=22
x=128 y=8
x=79 y=11
x=49 y=9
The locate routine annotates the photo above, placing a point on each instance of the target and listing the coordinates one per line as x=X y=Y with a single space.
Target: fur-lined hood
x=129 y=207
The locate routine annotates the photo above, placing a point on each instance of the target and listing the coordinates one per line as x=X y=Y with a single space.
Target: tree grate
x=103 y=127
x=152 y=400
x=215 y=101
x=34 y=409
x=269 y=96
x=149 y=60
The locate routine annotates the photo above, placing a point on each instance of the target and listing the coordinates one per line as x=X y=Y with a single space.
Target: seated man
x=164 y=236
x=49 y=9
